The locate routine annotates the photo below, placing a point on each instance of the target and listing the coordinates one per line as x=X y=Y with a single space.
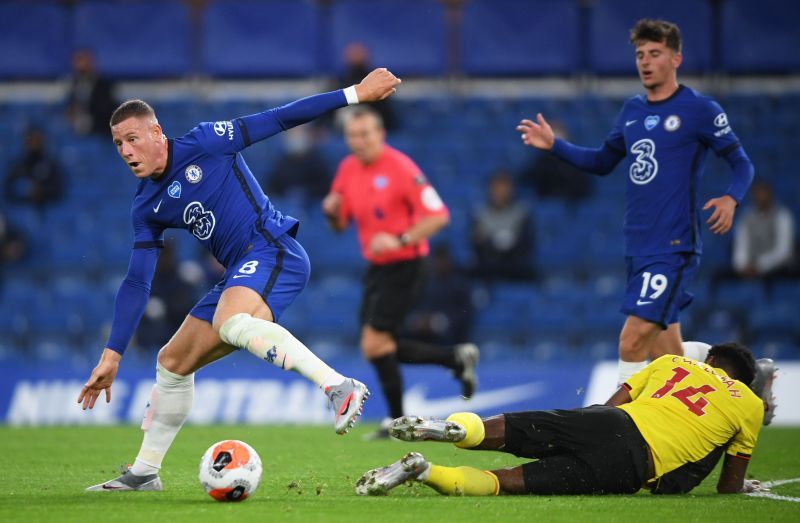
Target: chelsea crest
x=194 y=174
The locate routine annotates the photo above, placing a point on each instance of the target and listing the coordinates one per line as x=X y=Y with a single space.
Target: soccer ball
x=230 y=470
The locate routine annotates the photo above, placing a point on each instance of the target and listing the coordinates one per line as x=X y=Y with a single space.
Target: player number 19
x=657 y=282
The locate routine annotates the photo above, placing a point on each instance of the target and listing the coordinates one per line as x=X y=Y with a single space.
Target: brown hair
x=131 y=109
x=661 y=31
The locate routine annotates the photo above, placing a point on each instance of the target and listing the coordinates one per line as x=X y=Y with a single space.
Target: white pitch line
x=776 y=483
x=779 y=482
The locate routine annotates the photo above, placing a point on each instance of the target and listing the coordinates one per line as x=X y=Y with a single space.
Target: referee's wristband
x=351 y=95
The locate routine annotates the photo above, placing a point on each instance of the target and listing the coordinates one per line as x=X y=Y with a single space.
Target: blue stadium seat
x=740 y=295
x=148 y=38
x=254 y=38
x=408 y=37
x=760 y=37
x=611 y=21
x=32 y=37
x=520 y=37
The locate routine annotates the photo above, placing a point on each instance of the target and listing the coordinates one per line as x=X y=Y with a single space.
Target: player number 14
x=695 y=407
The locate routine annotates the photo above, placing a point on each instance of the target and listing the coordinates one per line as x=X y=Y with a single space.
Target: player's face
x=139 y=142
x=364 y=137
x=656 y=63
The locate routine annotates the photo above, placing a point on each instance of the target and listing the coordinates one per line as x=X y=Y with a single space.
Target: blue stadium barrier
x=136 y=39
x=33 y=37
x=520 y=37
x=408 y=36
x=254 y=38
x=760 y=37
x=611 y=21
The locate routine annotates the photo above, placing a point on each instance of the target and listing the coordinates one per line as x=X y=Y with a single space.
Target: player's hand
x=753 y=485
x=537 y=134
x=384 y=242
x=101 y=379
x=721 y=219
x=377 y=85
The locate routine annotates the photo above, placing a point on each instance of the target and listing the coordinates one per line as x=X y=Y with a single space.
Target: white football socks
x=169 y=406
x=271 y=342
x=697 y=350
x=626 y=369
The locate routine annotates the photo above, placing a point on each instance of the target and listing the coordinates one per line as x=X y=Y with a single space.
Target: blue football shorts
x=278 y=271
x=658 y=285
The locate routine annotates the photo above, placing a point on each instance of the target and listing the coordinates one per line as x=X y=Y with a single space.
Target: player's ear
x=156 y=131
x=677 y=59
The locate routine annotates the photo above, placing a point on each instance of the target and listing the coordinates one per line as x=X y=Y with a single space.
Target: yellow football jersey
x=684 y=409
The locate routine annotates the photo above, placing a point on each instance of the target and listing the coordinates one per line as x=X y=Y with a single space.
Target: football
x=230 y=470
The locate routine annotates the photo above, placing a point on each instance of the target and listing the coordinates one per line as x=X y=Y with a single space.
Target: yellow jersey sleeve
x=638 y=381
x=745 y=440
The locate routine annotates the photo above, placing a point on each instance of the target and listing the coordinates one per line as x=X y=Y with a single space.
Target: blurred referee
x=395 y=211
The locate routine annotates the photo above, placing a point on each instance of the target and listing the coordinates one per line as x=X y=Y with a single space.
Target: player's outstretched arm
x=539 y=135
x=377 y=85
x=101 y=379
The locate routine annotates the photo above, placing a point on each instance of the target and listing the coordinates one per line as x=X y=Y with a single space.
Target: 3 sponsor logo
x=200 y=221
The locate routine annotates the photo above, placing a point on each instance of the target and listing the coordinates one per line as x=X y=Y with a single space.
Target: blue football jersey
x=207 y=189
x=665 y=145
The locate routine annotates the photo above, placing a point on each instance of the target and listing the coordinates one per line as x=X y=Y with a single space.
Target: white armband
x=350 y=94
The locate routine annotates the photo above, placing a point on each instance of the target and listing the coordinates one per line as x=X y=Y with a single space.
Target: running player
x=664 y=136
x=201 y=183
x=676 y=411
x=395 y=210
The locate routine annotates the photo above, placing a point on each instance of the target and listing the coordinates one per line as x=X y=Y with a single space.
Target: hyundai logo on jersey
x=651 y=121
x=174 y=189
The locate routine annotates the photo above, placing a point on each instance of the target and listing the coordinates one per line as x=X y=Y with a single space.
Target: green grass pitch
x=309 y=474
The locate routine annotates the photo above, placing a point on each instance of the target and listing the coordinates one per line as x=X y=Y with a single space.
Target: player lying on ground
x=676 y=411
x=200 y=182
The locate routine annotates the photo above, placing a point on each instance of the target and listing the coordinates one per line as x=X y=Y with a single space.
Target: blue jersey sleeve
x=601 y=160
x=146 y=234
x=132 y=297
x=134 y=291
x=230 y=137
x=714 y=129
x=716 y=132
x=616 y=139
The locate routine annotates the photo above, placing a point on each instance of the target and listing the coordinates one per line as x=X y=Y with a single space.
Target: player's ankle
x=140 y=468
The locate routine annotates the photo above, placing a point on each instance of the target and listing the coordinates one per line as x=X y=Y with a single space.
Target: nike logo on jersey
x=640 y=302
x=630 y=122
x=157 y=207
x=241 y=276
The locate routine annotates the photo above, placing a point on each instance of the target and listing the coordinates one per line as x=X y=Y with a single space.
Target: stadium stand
x=457 y=140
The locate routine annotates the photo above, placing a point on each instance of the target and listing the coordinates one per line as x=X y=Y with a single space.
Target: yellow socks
x=462 y=481
x=474 y=427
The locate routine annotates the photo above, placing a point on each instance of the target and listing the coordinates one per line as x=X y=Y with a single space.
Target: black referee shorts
x=594 y=450
x=390 y=291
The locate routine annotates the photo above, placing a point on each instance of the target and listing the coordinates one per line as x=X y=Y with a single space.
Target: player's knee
x=632 y=346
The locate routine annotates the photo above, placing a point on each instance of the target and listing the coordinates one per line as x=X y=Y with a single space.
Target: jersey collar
x=168 y=166
x=665 y=100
